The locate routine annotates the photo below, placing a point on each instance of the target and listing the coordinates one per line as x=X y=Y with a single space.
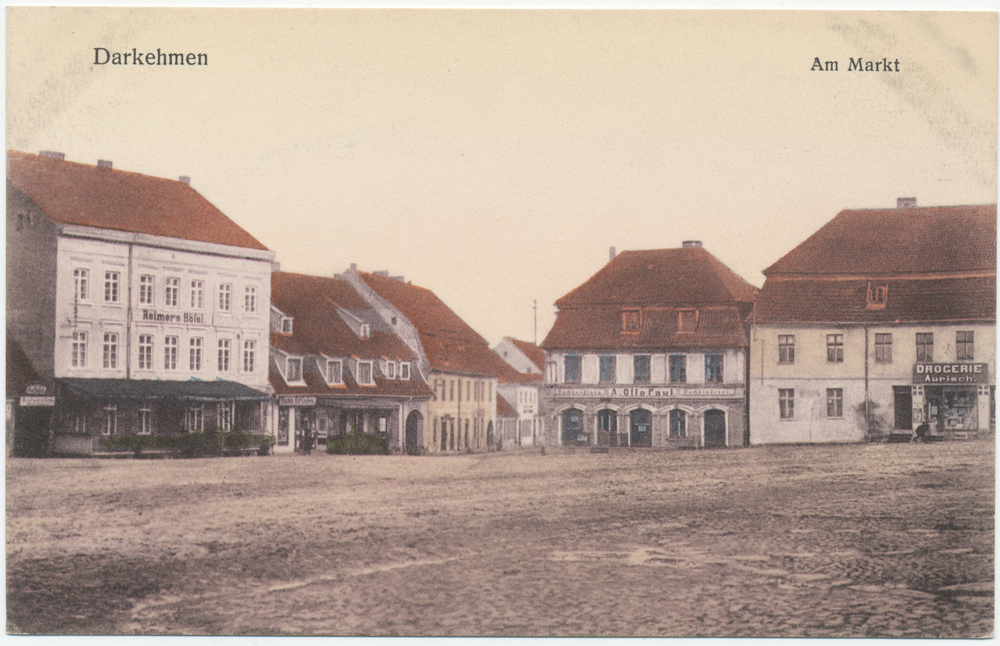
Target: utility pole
x=536 y=321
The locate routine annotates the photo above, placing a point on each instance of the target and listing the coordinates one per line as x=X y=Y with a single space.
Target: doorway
x=715 y=428
x=607 y=428
x=642 y=427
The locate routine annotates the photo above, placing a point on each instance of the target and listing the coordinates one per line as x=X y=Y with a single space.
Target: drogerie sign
x=950 y=373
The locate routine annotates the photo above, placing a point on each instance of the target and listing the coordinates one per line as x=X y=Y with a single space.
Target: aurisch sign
x=951 y=373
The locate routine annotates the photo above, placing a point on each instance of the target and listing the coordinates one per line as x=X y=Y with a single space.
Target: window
x=224 y=346
x=294 y=370
x=225 y=297
x=687 y=320
x=964 y=350
x=883 y=347
x=835 y=348
x=110 y=350
x=678 y=423
x=365 y=373
x=286 y=325
x=925 y=346
x=572 y=368
x=81 y=289
x=713 y=368
x=640 y=368
x=404 y=371
x=607 y=375
x=451 y=390
x=550 y=372
x=170 y=353
x=111 y=287
x=145 y=290
x=145 y=421
x=786 y=403
x=195 y=419
x=250 y=299
x=145 y=352
x=110 y=425
x=335 y=374
x=249 y=355
x=834 y=402
x=678 y=368
x=171 y=292
x=631 y=320
x=226 y=415
x=366 y=331
x=876 y=296
x=390 y=369
x=195 y=354
x=197 y=294
x=78 y=358
x=786 y=348
x=80 y=424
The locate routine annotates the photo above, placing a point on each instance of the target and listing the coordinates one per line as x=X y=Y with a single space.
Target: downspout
x=128 y=319
x=868 y=420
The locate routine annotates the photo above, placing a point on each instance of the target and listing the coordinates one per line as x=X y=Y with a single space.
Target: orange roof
x=105 y=198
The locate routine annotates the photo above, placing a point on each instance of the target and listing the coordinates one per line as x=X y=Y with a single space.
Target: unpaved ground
x=860 y=540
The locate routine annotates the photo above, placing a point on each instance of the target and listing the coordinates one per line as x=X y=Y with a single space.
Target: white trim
x=165 y=242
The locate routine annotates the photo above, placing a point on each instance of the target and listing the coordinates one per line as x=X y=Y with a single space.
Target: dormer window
x=404 y=371
x=334 y=371
x=631 y=320
x=876 y=296
x=366 y=331
x=687 y=320
x=365 y=377
x=293 y=370
x=390 y=369
x=286 y=325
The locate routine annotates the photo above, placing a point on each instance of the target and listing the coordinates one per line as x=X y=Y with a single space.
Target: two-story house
x=650 y=351
x=520 y=391
x=882 y=320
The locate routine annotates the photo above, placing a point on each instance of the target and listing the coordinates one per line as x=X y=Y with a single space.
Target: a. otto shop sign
x=951 y=373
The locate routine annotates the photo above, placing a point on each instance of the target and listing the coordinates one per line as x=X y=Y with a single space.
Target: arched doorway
x=715 y=428
x=642 y=427
x=607 y=428
x=414 y=431
x=572 y=427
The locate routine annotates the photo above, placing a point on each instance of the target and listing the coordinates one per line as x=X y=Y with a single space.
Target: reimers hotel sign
x=950 y=373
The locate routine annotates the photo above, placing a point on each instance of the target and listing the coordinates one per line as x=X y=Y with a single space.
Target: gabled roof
x=448 y=342
x=686 y=276
x=105 y=198
x=532 y=351
x=898 y=241
x=601 y=329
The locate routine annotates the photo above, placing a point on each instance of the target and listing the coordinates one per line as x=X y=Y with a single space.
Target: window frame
x=78 y=349
x=340 y=372
x=195 y=353
x=835 y=347
x=147 y=289
x=145 y=418
x=224 y=356
x=249 y=356
x=81 y=284
x=109 y=425
x=607 y=369
x=631 y=320
x=171 y=291
x=110 y=351
x=675 y=415
x=687 y=320
x=370 y=368
x=112 y=286
x=786 y=349
x=145 y=352
x=644 y=376
x=577 y=361
x=404 y=370
x=197 y=294
x=297 y=375
x=171 y=348
x=720 y=377
x=225 y=302
x=677 y=367
x=250 y=299
x=786 y=403
x=835 y=403
x=965 y=348
x=924 y=342
x=883 y=347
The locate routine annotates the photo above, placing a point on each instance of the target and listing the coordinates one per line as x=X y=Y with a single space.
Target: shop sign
x=644 y=392
x=296 y=400
x=951 y=373
x=37 y=400
x=35 y=389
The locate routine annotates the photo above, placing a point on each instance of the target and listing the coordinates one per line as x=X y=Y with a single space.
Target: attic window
x=390 y=369
x=687 y=320
x=404 y=371
x=876 y=296
x=631 y=320
x=286 y=325
x=366 y=331
x=293 y=370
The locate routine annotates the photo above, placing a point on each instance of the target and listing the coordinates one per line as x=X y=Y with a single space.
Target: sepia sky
x=494 y=156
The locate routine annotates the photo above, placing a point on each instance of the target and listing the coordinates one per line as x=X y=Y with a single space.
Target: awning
x=149 y=389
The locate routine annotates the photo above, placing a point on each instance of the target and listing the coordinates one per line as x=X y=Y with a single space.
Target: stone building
x=650 y=351
x=142 y=307
x=880 y=321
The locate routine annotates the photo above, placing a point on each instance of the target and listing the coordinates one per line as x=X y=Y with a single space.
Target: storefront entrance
x=642 y=427
x=952 y=408
x=607 y=428
x=715 y=428
x=572 y=427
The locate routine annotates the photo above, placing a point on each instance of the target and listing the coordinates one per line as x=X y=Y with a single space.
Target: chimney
x=691 y=244
x=51 y=154
x=354 y=266
x=611 y=252
x=384 y=273
x=185 y=179
x=104 y=163
x=398 y=278
x=906 y=202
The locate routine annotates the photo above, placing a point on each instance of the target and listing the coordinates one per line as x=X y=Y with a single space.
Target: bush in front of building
x=191 y=445
x=357 y=442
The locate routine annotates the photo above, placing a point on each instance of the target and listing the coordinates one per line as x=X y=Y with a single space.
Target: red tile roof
x=105 y=198
x=657 y=282
x=898 y=241
x=449 y=343
x=532 y=351
x=504 y=408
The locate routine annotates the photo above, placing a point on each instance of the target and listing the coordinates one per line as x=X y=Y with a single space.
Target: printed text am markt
x=102 y=57
x=856 y=65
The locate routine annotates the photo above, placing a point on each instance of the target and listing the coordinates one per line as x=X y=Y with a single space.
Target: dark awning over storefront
x=149 y=390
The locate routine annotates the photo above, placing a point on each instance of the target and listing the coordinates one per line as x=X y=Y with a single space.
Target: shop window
x=883 y=348
x=678 y=423
x=112 y=292
x=925 y=346
x=631 y=320
x=249 y=356
x=640 y=368
x=78 y=354
x=786 y=403
x=197 y=294
x=110 y=350
x=572 y=362
x=171 y=292
x=834 y=402
x=146 y=289
x=334 y=371
x=170 y=353
x=607 y=373
x=224 y=350
x=194 y=355
x=293 y=370
x=713 y=368
x=964 y=346
x=678 y=369
x=365 y=373
x=786 y=348
x=835 y=348
x=250 y=299
x=687 y=320
x=110 y=426
x=145 y=352
x=225 y=297
x=145 y=421
x=81 y=284
x=876 y=296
